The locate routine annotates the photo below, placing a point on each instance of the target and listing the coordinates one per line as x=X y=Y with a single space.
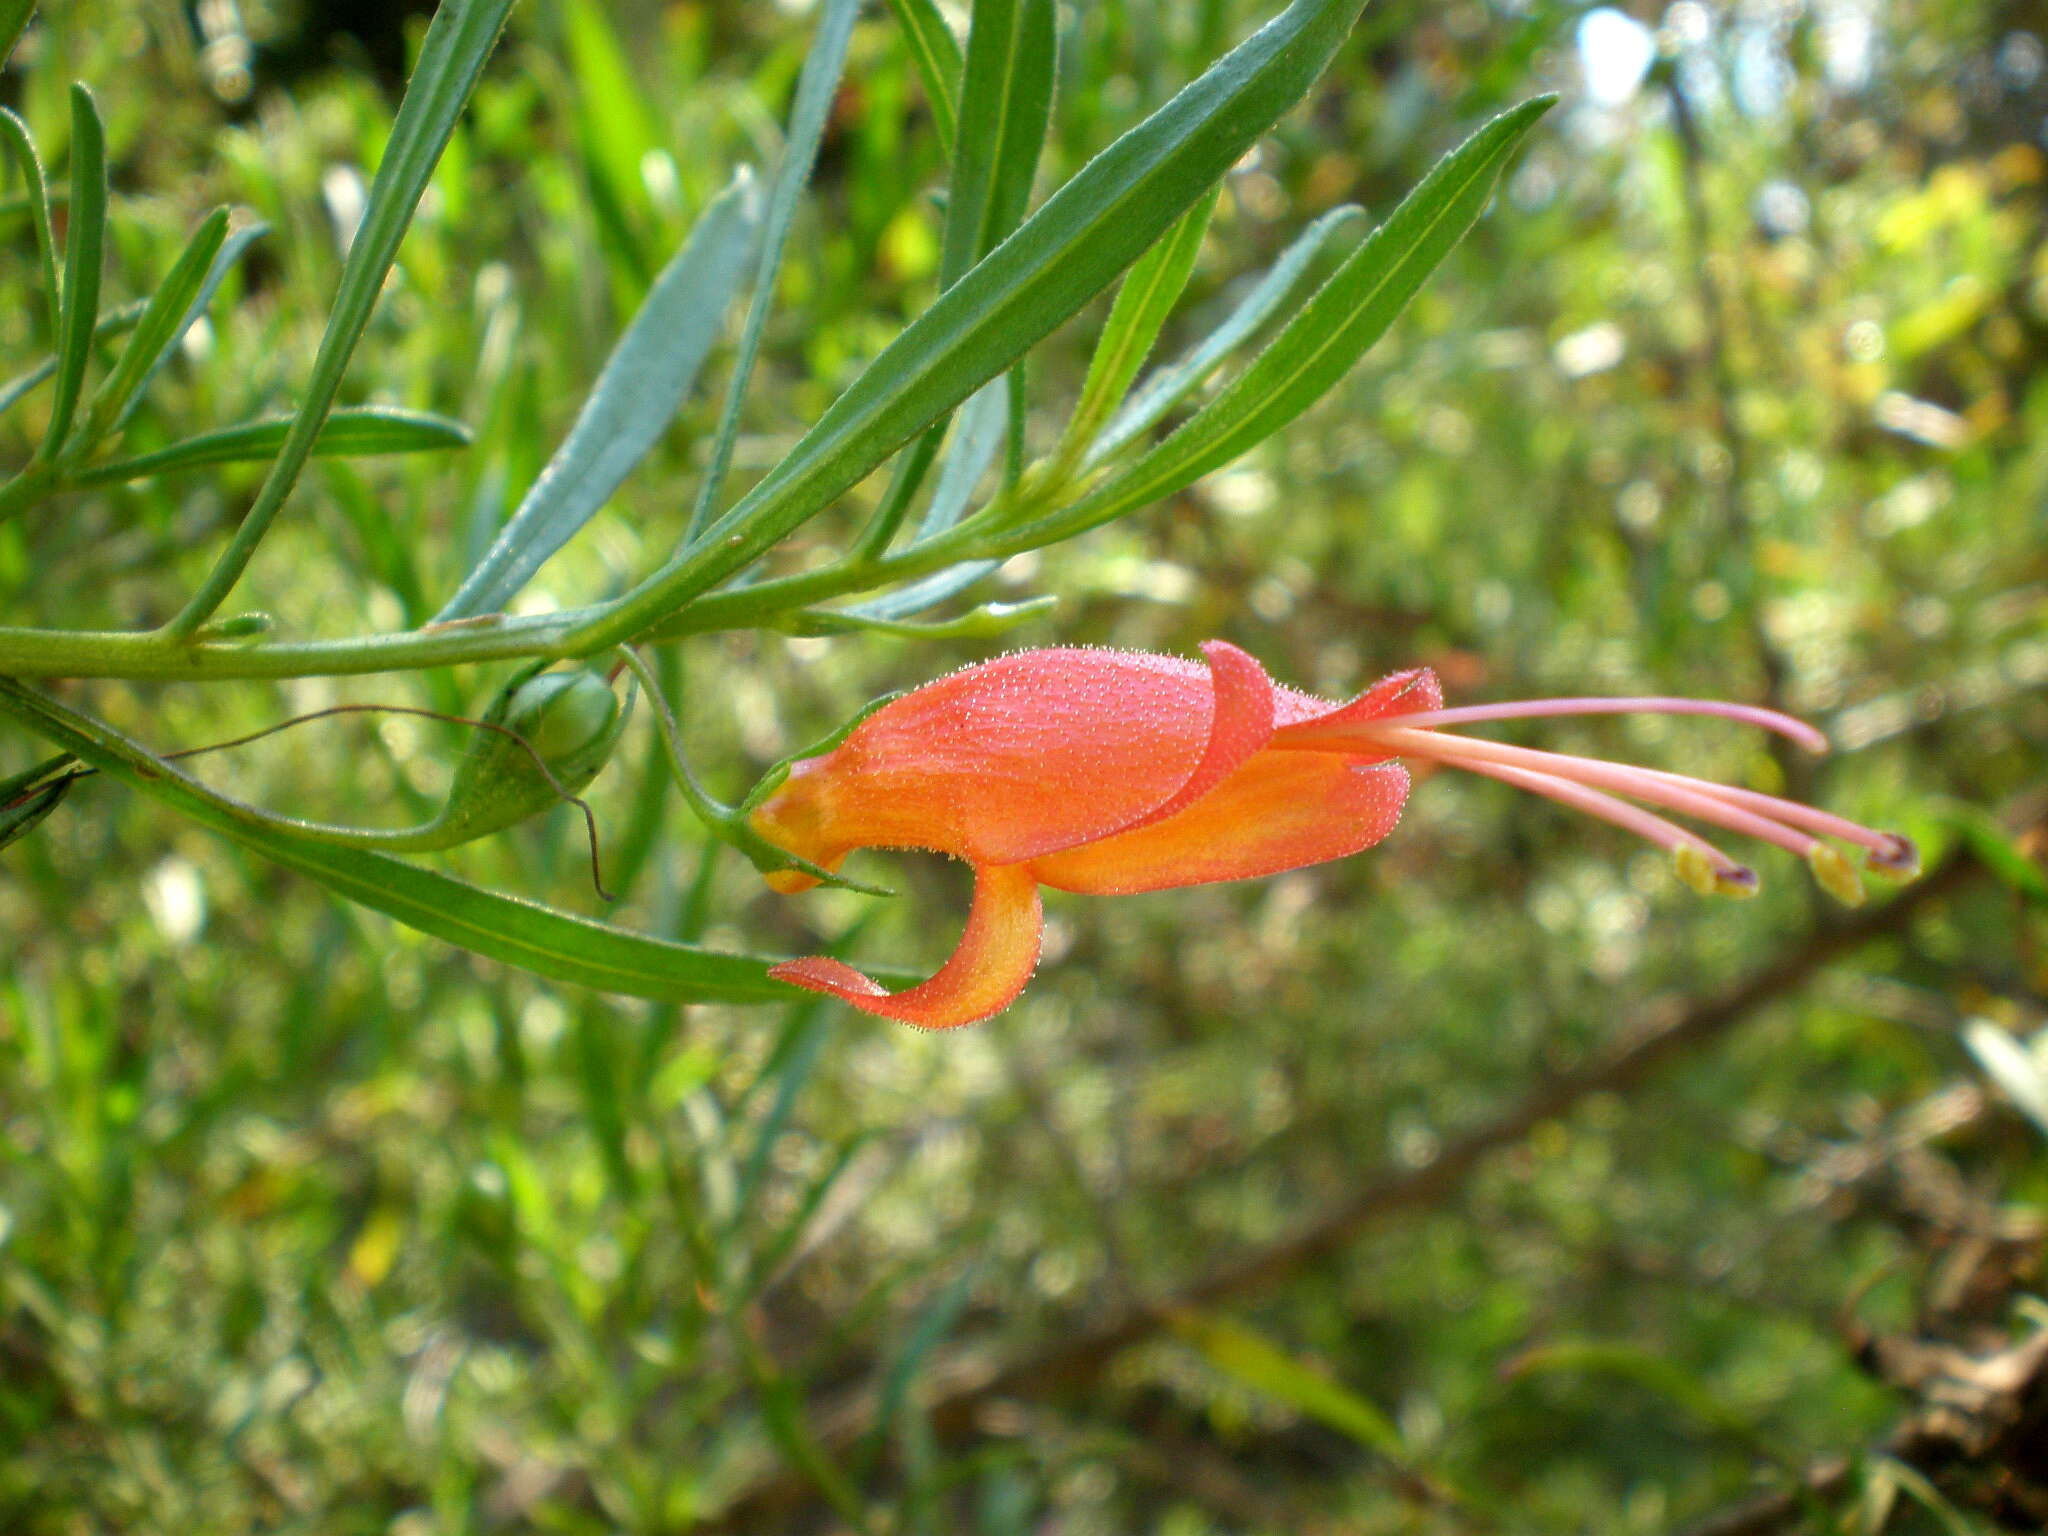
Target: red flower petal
x=1281 y=810
x=995 y=957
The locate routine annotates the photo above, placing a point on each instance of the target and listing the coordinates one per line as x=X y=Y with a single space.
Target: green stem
x=149 y=656
x=26 y=489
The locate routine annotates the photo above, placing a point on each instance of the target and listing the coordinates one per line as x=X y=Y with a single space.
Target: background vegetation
x=1487 y=1181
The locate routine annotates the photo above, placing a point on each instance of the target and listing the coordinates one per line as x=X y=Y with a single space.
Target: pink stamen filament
x=1884 y=845
x=1629 y=818
x=1524 y=709
x=1675 y=792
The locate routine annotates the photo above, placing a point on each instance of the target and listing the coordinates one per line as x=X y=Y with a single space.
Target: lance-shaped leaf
x=977 y=623
x=1173 y=383
x=1108 y=214
x=815 y=89
x=21 y=146
x=927 y=592
x=1146 y=297
x=936 y=53
x=1005 y=109
x=239 y=240
x=14 y=15
x=635 y=398
x=1320 y=344
x=357 y=432
x=158 y=328
x=1005 y=105
x=84 y=255
x=458 y=41
x=552 y=943
x=977 y=438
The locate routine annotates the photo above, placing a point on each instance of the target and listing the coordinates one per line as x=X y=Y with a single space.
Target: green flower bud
x=570 y=721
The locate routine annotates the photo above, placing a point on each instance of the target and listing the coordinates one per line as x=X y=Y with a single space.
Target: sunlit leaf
x=84 y=257
x=816 y=89
x=1065 y=253
x=649 y=373
x=1326 y=337
x=354 y=432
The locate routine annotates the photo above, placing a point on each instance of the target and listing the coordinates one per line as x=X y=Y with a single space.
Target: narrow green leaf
x=976 y=624
x=636 y=396
x=1993 y=847
x=936 y=53
x=928 y=592
x=239 y=240
x=1107 y=215
x=934 y=1322
x=1173 y=383
x=1253 y=1359
x=353 y=432
x=1654 y=1373
x=84 y=256
x=1320 y=344
x=556 y=944
x=977 y=438
x=1912 y=1480
x=458 y=41
x=27 y=797
x=157 y=331
x=789 y=1070
x=816 y=88
x=14 y=18
x=1005 y=106
x=775 y=1253
x=1147 y=296
x=21 y=145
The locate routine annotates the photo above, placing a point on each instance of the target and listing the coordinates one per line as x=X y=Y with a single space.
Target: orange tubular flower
x=1111 y=772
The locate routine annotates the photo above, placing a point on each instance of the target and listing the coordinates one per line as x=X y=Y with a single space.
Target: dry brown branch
x=971 y=1386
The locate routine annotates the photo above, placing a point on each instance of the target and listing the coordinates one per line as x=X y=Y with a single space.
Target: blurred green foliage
x=309 y=1222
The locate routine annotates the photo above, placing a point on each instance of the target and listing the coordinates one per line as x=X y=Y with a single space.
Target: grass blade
x=618 y=127
x=458 y=41
x=936 y=53
x=84 y=255
x=354 y=432
x=816 y=88
x=158 y=329
x=1256 y=1361
x=560 y=945
x=1107 y=215
x=1172 y=384
x=1320 y=344
x=650 y=370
